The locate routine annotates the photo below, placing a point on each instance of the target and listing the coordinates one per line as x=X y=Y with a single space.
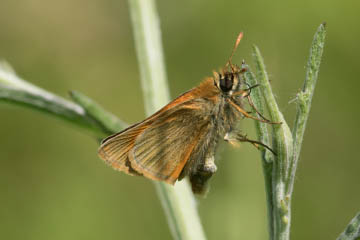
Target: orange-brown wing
x=115 y=148
x=161 y=151
x=124 y=151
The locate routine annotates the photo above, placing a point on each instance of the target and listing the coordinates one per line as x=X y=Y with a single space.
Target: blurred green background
x=53 y=185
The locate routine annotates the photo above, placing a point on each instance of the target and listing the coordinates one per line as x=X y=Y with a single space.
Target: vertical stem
x=178 y=201
x=286 y=144
x=267 y=157
x=283 y=144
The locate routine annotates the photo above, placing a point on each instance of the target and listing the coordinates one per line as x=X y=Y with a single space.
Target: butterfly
x=181 y=138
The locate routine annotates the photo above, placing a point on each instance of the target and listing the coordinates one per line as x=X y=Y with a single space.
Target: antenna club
x=233 y=51
x=240 y=36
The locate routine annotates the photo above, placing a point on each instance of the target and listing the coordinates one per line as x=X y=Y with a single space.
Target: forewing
x=160 y=146
x=114 y=150
x=161 y=151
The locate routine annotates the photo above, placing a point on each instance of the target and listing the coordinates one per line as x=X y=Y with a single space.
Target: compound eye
x=226 y=83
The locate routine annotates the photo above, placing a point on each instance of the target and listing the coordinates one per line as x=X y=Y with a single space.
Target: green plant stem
x=282 y=143
x=263 y=136
x=15 y=90
x=178 y=201
x=352 y=231
x=108 y=122
x=281 y=170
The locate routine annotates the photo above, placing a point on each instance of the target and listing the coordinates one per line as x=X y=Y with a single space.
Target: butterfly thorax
x=221 y=119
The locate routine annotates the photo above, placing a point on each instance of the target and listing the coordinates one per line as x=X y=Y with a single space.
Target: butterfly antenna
x=234 y=49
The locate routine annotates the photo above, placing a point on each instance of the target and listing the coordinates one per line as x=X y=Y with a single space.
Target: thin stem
x=109 y=122
x=283 y=139
x=282 y=143
x=147 y=36
x=15 y=90
x=178 y=201
x=263 y=136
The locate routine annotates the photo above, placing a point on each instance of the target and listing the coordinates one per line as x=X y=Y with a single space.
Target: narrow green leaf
x=263 y=136
x=89 y=116
x=282 y=144
x=256 y=97
x=352 y=231
x=282 y=141
x=38 y=99
x=304 y=97
x=54 y=105
x=106 y=121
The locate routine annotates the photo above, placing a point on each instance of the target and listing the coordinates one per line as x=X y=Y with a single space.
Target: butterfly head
x=228 y=81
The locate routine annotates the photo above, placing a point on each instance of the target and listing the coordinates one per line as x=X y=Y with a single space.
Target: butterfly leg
x=236 y=136
x=245 y=92
x=246 y=114
x=253 y=107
